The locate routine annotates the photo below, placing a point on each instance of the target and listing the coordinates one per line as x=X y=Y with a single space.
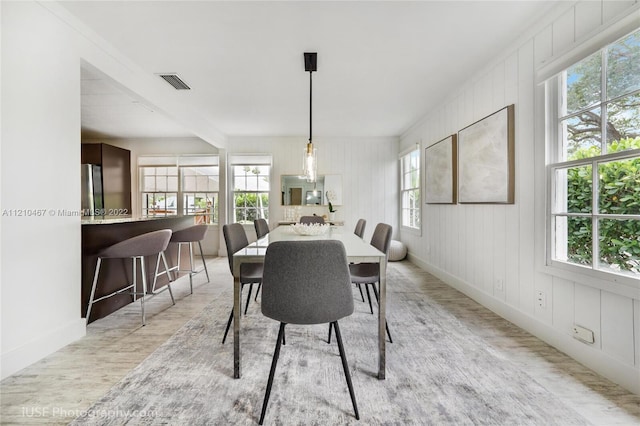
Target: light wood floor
x=58 y=388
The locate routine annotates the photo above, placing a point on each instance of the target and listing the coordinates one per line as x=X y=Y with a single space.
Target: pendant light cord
x=310 y=106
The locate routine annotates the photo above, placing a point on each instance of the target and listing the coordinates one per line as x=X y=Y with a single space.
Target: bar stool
x=135 y=248
x=189 y=236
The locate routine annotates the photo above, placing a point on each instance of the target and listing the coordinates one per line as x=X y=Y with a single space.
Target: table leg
x=237 y=310
x=382 y=313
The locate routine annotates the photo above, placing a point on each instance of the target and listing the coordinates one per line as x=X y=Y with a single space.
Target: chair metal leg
x=257 y=291
x=329 y=339
x=226 y=331
x=361 y=295
x=248 y=298
x=375 y=292
x=345 y=366
x=366 y=286
x=93 y=287
x=274 y=363
x=206 y=271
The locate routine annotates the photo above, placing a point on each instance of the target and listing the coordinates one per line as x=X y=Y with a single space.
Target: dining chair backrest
x=359 y=230
x=312 y=219
x=262 y=227
x=235 y=239
x=306 y=282
x=381 y=238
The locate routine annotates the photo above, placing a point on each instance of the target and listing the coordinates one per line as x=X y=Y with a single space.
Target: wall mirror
x=296 y=191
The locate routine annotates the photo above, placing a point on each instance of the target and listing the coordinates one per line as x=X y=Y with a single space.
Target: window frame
x=180 y=163
x=251 y=161
x=554 y=97
x=418 y=189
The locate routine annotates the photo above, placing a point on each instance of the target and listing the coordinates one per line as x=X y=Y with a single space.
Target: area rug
x=438 y=373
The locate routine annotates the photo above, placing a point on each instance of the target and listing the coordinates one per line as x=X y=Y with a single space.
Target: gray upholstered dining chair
x=262 y=227
x=190 y=235
x=135 y=248
x=312 y=219
x=369 y=273
x=306 y=282
x=359 y=231
x=250 y=273
x=360 y=225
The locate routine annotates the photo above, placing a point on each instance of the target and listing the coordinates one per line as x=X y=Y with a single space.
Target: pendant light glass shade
x=309 y=163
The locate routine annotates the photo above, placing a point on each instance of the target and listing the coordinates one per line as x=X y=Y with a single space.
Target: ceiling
x=381 y=65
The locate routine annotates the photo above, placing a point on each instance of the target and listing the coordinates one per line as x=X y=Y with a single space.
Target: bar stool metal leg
x=144 y=285
x=191 y=269
x=93 y=287
x=157 y=274
x=191 y=266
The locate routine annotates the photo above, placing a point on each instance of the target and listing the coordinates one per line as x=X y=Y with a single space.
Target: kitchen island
x=101 y=232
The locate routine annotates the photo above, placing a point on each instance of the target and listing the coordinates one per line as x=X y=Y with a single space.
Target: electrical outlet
x=499 y=284
x=541 y=299
x=583 y=334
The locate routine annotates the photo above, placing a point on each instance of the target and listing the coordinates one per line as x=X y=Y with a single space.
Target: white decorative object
x=333 y=184
x=310 y=229
x=397 y=251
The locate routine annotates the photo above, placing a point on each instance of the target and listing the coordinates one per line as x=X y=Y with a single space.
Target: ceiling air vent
x=175 y=81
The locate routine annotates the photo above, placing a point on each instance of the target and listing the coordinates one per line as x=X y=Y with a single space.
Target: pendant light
x=310 y=160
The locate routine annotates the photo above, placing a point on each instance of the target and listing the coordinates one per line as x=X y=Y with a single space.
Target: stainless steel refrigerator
x=92 y=191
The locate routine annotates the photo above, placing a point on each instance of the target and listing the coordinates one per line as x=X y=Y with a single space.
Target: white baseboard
x=16 y=359
x=625 y=375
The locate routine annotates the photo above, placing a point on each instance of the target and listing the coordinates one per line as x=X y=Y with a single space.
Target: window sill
x=411 y=231
x=612 y=283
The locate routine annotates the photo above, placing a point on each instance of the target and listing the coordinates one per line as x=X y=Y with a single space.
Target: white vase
x=332 y=216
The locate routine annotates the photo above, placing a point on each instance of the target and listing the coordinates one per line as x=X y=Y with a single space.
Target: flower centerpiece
x=332 y=212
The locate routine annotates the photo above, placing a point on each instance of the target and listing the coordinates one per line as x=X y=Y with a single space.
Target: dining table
x=357 y=251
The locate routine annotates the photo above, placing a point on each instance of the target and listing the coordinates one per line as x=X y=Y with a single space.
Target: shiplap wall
x=368 y=166
x=495 y=253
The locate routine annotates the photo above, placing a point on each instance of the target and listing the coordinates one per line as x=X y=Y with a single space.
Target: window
x=251 y=186
x=410 y=189
x=594 y=217
x=159 y=188
x=186 y=185
x=200 y=185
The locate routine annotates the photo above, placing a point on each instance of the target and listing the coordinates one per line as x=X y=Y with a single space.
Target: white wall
x=494 y=253
x=43 y=47
x=368 y=166
x=40 y=156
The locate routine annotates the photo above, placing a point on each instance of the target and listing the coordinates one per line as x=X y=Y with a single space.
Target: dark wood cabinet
x=116 y=176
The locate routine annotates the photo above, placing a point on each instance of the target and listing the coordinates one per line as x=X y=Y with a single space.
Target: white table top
x=356 y=248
